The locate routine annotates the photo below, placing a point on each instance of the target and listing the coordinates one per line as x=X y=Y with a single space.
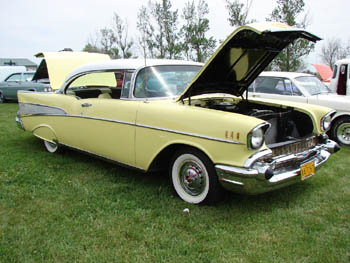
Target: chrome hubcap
x=191 y=178
x=343 y=133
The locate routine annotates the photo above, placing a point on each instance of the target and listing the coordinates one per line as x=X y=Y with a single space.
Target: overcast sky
x=31 y=26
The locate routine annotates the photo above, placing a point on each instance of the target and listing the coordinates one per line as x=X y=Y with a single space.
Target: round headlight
x=326 y=121
x=256 y=137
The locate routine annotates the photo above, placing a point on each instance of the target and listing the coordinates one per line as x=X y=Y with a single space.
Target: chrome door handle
x=86 y=105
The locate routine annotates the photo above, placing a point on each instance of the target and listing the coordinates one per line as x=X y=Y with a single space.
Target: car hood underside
x=242 y=57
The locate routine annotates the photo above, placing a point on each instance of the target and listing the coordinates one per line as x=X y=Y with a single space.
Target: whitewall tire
x=194 y=177
x=51 y=147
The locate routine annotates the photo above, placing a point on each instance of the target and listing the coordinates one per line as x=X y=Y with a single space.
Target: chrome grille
x=295 y=147
x=294 y=162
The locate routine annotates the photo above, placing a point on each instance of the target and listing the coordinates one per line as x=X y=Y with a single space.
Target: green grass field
x=71 y=207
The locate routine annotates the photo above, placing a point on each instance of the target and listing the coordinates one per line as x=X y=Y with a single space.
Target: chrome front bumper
x=258 y=176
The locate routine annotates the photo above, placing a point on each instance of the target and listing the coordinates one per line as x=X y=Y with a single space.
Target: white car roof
x=282 y=74
x=125 y=64
x=343 y=61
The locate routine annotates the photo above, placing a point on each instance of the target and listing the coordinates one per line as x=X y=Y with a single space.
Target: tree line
x=165 y=32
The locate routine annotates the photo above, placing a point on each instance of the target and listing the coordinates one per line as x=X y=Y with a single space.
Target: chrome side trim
x=188 y=134
x=100 y=119
x=42 y=110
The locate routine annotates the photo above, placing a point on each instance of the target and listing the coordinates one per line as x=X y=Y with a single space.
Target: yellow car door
x=107 y=128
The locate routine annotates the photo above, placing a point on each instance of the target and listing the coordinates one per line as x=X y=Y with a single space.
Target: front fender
x=221 y=136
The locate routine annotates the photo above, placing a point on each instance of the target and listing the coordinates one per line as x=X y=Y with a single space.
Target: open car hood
x=242 y=57
x=325 y=71
x=55 y=66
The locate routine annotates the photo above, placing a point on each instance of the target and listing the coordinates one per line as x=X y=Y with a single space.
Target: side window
x=28 y=76
x=126 y=84
x=119 y=76
x=342 y=69
x=295 y=90
x=14 y=77
x=335 y=71
x=270 y=85
x=254 y=87
x=102 y=85
x=280 y=88
x=251 y=87
x=288 y=88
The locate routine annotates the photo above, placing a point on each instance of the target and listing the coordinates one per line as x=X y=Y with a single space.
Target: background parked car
x=20 y=81
x=56 y=65
x=340 y=81
x=305 y=88
x=6 y=71
x=42 y=79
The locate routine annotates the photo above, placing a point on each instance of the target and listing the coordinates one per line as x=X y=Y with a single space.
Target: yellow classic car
x=189 y=118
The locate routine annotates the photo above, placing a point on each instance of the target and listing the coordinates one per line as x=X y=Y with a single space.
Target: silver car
x=306 y=88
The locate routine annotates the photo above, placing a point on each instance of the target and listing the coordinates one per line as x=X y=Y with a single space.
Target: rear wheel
x=194 y=177
x=341 y=131
x=51 y=147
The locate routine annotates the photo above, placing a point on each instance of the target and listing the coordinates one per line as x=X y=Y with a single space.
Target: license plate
x=307 y=170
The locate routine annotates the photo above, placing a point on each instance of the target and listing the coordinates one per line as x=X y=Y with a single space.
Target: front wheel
x=51 y=147
x=194 y=177
x=2 y=98
x=341 y=131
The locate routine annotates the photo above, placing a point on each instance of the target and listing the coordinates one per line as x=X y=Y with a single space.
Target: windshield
x=312 y=84
x=164 y=81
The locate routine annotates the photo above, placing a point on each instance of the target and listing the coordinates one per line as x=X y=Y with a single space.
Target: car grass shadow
x=285 y=198
x=157 y=185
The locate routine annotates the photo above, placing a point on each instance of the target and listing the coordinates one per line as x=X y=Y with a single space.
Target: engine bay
x=287 y=124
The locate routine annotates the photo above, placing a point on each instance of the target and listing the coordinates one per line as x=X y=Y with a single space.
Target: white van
x=6 y=71
x=340 y=82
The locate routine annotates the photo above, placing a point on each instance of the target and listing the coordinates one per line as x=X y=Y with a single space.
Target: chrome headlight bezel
x=256 y=136
x=326 y=121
